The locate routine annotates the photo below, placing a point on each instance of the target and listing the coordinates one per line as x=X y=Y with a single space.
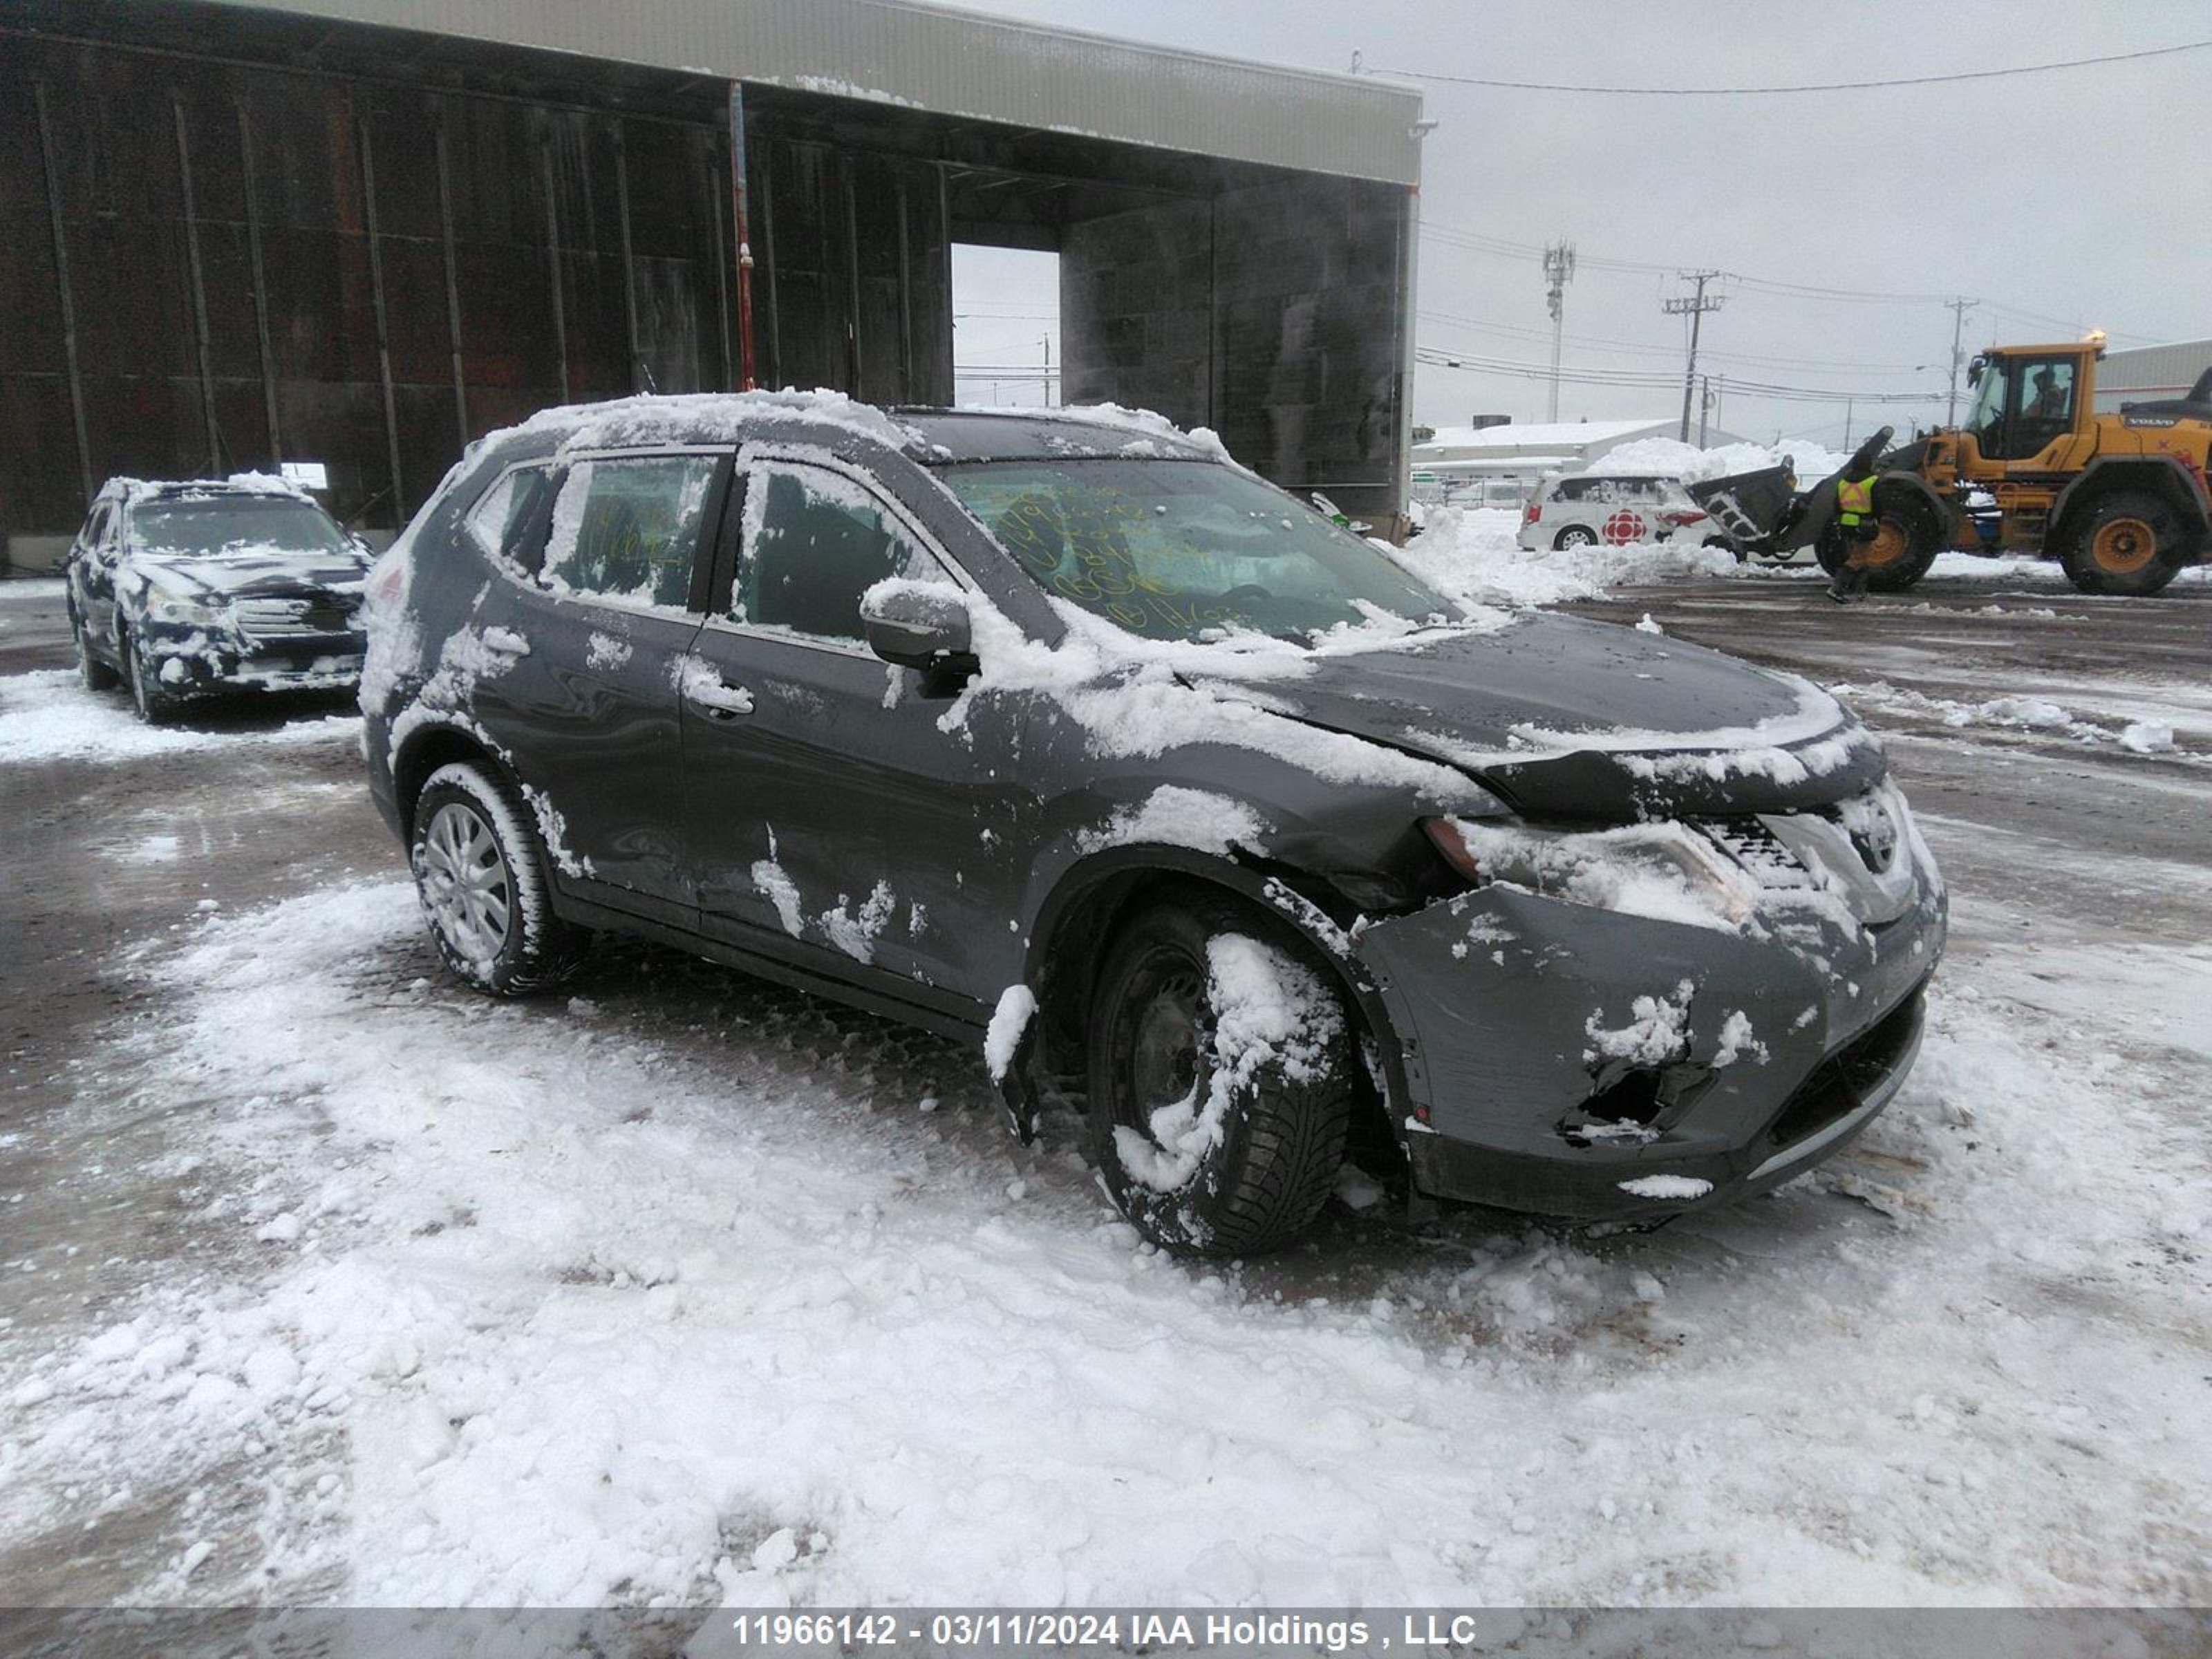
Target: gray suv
x=1066 y=736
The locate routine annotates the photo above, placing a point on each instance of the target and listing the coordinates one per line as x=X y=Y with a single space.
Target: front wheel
x=2128 y=545
x=1908 y=535
x=481 y=877
x=1222 y=1079
x=156 y=707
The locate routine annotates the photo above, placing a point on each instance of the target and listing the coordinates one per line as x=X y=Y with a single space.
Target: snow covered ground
x=684 y=1288
x=48 y=714
x=723 y=1295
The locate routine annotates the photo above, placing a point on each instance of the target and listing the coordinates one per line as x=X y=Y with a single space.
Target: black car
x=1070 y=737
x=186 y=590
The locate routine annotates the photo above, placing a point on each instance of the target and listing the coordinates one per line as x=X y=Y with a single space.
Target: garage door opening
x=1005 y=326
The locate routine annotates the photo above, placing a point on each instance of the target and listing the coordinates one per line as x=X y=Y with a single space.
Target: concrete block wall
x=1309 y=380
x=1136 y=310
x=1274 y=313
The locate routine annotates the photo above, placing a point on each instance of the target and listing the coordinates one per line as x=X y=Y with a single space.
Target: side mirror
x=919 y=626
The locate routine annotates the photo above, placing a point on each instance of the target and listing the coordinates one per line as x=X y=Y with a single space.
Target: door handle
x=710 y=693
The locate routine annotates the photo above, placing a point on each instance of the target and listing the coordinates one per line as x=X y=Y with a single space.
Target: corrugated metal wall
x=264 y=266
x=2149 y=372
x=390 y=246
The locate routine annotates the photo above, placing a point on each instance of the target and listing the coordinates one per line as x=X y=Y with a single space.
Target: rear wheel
x=97 y=675
x=1575 y=535
x=1221 y=1077
x=481 y=877
x=2129 y=543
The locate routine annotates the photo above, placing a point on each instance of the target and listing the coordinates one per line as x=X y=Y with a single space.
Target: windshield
x=1181 y=550
x=1988 y=398
x=213 y=527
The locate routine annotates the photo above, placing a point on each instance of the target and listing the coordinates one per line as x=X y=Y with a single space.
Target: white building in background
x=2137 y=375
x=1497 y=465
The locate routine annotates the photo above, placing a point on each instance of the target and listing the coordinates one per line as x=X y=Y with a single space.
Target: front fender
x=2163 y=475
x=1075 y=892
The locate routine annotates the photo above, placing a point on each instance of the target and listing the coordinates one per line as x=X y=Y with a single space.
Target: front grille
x=292 y=618
x=1844 y=1079
x=1759 y=850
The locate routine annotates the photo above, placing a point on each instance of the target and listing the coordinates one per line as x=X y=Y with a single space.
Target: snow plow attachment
x=1758 y=512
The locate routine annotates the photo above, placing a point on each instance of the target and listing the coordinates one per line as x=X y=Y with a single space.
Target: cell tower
x=1559 y=272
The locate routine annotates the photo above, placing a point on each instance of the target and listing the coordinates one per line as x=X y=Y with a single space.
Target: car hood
x=252 y=572
x=1567 y=718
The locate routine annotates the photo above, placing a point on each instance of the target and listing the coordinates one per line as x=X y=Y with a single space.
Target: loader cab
x=2029 y=397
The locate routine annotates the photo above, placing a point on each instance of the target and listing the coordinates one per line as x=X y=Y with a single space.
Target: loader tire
x=1908 y=536
x=2129 y=543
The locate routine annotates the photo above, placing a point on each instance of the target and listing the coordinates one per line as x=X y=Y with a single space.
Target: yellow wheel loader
x=2120 y=499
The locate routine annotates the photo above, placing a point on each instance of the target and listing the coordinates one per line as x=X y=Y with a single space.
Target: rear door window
x=511 y=520
x=815 y=541
x=625 y=529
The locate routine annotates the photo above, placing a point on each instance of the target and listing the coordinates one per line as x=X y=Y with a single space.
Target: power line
x=1499 y=247
x=1640 y=378
x=1825 y=86
x=1604 y=344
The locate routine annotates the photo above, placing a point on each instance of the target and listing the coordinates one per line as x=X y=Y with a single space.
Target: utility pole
x=1559 y=272
x=1695 y=307
x=1959 y=309
x=1704 y=406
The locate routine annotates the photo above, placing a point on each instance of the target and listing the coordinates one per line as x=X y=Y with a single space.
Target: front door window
x=815 y=542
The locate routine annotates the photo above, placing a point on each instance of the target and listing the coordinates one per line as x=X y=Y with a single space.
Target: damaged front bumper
x=195 y=662
x=1578 y=1062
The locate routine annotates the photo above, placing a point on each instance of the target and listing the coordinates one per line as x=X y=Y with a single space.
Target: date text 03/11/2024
x=1199 y=1632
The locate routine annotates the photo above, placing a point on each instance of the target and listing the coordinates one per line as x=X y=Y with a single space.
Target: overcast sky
x=2082 y=197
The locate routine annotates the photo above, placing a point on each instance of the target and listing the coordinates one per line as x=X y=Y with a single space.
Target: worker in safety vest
x=1849 y=535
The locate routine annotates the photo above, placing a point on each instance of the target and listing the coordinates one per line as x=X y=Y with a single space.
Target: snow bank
x=1470 y=554
x=1675 y=459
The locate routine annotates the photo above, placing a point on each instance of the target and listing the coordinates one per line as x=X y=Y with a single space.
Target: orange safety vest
x=1854 y=499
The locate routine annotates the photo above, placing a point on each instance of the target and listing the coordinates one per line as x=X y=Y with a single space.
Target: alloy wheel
x=466 y=886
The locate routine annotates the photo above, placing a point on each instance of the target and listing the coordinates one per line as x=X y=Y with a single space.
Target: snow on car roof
x=238 y=483
x=932 y=435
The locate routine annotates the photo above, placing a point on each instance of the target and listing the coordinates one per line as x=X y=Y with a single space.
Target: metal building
x=2146 y=374
x=358 y=233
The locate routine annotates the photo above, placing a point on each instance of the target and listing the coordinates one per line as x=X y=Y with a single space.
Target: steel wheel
x=2123 y=546
x=467 y=887
x=1891 y=542
x=1167 y=1046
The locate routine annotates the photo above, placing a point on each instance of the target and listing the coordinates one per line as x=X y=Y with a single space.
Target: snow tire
x=1286 y=1109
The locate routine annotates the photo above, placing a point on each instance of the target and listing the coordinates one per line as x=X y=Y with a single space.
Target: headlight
x=165 y=605
x=1665 y=872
